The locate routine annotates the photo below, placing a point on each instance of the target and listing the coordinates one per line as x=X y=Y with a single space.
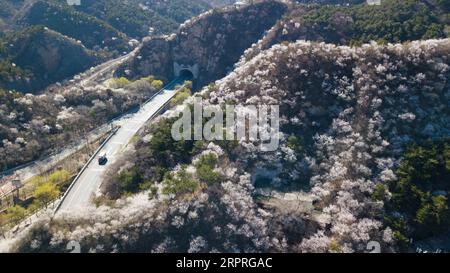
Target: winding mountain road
x=89 y=181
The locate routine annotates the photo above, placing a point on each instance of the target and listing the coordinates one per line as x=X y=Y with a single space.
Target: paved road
x=89 y=182
x=99 y=72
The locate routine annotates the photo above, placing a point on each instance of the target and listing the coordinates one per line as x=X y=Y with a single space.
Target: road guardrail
x=84 y=168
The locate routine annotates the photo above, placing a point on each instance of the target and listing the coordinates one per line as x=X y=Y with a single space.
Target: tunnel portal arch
x=186 y=70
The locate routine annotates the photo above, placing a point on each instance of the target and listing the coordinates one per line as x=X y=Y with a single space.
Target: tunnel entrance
x=189 y=71
x=186 y=72
x=186 y=75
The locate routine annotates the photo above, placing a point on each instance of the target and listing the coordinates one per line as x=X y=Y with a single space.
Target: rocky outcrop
x=212 y=43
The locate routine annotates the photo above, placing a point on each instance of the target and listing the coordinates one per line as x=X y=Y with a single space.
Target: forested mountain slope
x=106 y=27
x=364 y=148
x=393 y=21
x=33 y=126
x=213 y=42
x=27 y=56
x=347 y=118
x=37 y=56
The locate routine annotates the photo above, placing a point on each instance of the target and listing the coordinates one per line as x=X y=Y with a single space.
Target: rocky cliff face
x=208 y=45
